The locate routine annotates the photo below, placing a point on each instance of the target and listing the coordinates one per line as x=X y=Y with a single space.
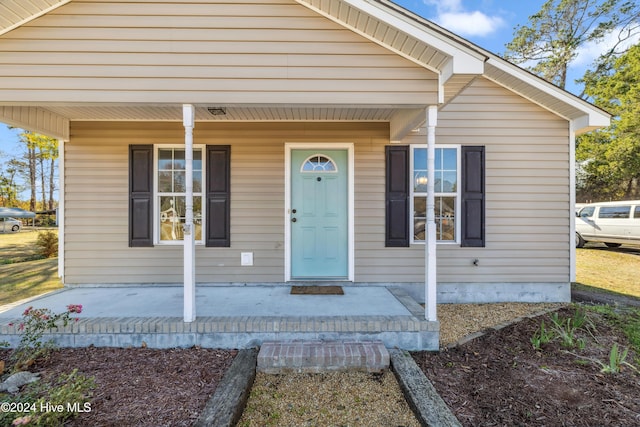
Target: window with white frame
x=170 y=193
x=447 y=192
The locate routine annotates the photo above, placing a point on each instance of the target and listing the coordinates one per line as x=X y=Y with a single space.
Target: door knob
x=293 y=220
x=293 y=211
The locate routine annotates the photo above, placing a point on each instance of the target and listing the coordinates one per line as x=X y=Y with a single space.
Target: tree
x=9 y=187
x=40 y=148
x=611 y=157
x=556 y=33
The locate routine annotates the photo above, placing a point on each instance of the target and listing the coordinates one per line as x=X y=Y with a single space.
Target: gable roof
x=456 y=61
x=383 y=21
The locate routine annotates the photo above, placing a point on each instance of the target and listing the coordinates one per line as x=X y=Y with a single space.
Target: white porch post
x=188 y=113
x=430 y=243
x=60 y=211
x=572 y=202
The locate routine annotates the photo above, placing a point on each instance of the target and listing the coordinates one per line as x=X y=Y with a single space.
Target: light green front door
x=319 y=215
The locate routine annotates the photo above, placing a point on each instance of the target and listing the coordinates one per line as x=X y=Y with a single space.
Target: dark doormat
x=317 y=290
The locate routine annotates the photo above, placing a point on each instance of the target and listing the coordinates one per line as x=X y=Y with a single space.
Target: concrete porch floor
x=231 y=317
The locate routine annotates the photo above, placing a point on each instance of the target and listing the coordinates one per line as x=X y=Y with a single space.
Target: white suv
x=612 y=223
x=9 y=224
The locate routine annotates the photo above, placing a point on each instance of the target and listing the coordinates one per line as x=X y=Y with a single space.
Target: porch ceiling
x=223 y=113
x=53 y=120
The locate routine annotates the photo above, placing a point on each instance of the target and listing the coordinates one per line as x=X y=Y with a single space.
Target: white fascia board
x=589 y=122
x=465 y=60
x=592 y=117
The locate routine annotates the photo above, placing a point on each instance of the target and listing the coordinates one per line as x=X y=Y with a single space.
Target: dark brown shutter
x=140 y=195
x=218 y=196
x=472 y=214
x=397 y=196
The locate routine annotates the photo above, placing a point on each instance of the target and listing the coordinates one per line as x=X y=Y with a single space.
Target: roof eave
x=584 y=115
x=30 y=17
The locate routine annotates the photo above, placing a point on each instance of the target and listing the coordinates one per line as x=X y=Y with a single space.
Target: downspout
x=430 y=243
x=188 y=116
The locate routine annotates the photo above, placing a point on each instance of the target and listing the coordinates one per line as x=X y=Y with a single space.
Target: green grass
x=616 y=271
x=611 y=270
x=23 y=273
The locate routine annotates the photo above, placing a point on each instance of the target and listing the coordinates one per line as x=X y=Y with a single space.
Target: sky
x=487 y=23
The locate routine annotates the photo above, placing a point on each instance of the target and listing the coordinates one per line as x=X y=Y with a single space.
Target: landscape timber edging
x=225 y=407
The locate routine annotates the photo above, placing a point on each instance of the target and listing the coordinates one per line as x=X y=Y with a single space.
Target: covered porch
x=230 y=317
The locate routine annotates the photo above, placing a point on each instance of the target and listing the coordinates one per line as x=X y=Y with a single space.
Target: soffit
x=585 y=115
x=14 y=13
x=402 y=32
x=231 y=113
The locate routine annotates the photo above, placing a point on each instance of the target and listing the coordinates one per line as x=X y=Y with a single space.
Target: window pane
x=420 y=170
x=438 y=184
x=170 y=219
x=449 y=182
x=197 y=159
x=178 y=160
x=587 y=212
x=420 y=181
x=614 y=212
x=319 y=164
x=446 y=218
x=179 y=182
x=449 y=159
x=165 y=180
x=419 y=218
x=165 y=158
x=197 y=181
x=445 y=174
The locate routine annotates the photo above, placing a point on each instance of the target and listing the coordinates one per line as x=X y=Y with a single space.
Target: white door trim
x=287 y=199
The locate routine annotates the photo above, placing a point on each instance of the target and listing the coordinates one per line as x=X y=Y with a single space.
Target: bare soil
x=499 y=379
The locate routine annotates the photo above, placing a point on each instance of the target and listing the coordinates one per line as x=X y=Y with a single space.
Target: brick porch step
x=322 y=356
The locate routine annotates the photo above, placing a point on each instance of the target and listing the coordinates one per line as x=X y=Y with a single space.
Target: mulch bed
x=499 y=379
x=142 y=386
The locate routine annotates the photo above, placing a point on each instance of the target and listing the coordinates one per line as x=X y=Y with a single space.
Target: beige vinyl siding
x=96 y=208
x=527 y=186
x=527 y=196
x=202 y=52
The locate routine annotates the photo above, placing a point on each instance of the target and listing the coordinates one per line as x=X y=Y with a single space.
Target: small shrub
x=47 y=243
x=35 y=323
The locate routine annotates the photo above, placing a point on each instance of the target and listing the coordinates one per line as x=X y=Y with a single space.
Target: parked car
x=611 y=223
x=9 y=225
